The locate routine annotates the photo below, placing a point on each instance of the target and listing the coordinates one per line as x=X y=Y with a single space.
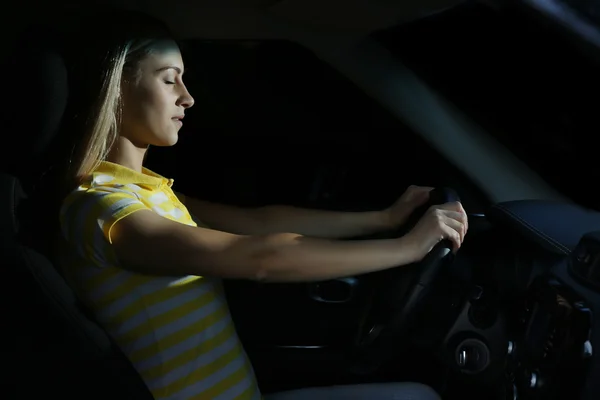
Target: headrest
x=37 y=94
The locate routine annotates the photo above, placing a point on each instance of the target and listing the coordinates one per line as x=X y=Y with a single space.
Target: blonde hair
x=119 y=51
x=104 y=124
x=105 y=118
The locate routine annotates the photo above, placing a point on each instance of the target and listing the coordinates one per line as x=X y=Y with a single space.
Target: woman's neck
x=127 y=154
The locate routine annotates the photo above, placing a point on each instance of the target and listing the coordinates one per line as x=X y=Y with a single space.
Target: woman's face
x=155 y=101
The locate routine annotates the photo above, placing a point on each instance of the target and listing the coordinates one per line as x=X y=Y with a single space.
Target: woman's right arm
x=151 y=244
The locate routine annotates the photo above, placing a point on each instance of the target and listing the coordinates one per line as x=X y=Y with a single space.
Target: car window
x=285 y=127
x=527 y=85
x=261 y=105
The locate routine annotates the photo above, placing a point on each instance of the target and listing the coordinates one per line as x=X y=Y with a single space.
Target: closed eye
x=169 y=82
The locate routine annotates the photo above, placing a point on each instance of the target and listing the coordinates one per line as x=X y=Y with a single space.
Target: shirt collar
x=123 y=175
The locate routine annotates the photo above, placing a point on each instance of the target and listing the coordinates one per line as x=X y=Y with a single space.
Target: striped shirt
x=176 y=331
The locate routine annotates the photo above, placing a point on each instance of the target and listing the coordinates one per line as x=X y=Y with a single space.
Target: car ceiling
x=236 y=19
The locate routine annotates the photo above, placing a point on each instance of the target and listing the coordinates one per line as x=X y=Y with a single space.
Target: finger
x=466 y=217
x=451 y=234
x=456 y=216
x=449 y=212
x=420 y=197
x=451 y=206
x=421 y=194
x=462 y=217
x=457 y=226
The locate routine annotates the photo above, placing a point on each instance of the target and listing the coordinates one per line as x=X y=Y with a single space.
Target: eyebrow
x=179 y=71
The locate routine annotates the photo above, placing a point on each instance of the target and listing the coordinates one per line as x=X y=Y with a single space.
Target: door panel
x=285 y=315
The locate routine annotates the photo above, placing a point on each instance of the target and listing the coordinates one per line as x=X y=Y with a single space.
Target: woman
x=150 y=273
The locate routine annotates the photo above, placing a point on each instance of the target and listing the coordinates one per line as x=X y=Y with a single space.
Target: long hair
x=111 y=52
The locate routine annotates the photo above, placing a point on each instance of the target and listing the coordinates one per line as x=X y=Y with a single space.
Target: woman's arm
x=281 y=219
x=149 y=243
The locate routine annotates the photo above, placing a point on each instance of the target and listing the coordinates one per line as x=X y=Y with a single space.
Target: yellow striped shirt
x=177 y=331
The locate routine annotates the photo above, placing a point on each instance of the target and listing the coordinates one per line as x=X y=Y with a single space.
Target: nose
x=185 y=99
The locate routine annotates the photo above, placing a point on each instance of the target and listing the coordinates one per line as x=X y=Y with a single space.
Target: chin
x=167 y=141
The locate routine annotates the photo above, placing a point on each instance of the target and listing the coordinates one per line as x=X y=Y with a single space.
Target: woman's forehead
x=164 y=46
x=168 y=55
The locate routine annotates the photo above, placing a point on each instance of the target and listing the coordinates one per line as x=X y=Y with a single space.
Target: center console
x=551 y=347
x=550 y=330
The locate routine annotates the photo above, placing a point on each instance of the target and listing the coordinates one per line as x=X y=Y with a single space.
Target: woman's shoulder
x=93 y=189
x=99 y=202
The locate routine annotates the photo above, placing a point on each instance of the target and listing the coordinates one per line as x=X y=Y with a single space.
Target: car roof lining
x=242 y=19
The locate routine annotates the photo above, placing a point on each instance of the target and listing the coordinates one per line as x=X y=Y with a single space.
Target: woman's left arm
x=306 y=222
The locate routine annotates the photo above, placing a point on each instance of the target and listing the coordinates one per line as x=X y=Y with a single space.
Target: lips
x=178 y=120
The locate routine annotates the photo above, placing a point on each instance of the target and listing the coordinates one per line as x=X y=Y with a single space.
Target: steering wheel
x=409 y=293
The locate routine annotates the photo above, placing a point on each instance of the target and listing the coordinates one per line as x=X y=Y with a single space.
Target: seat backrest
x=50 y=343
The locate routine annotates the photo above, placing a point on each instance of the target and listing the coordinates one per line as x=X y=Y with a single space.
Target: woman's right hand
x=446 y=221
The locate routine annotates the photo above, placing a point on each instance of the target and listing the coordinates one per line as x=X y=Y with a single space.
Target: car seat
x=52 y=347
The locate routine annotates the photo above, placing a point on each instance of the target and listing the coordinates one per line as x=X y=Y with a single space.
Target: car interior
x=341 y=105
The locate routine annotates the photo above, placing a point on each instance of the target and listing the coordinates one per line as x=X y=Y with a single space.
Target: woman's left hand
x=410 y=200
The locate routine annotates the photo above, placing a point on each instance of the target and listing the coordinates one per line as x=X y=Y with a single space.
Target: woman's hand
x=447 y=221
x=411 y=199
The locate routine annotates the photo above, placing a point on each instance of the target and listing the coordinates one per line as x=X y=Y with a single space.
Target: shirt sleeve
x=88 y=216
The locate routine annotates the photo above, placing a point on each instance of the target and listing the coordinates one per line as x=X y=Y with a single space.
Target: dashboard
x=551 y=344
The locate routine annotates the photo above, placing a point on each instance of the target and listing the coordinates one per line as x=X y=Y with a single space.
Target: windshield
x=528 y=86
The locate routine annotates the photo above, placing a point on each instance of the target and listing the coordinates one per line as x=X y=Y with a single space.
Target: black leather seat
x=50 y=346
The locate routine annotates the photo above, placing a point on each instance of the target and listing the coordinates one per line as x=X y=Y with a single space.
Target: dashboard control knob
x=533 y=380
x=511 y=348
x=472 y=356
x=588 y=351
x=462 y=358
